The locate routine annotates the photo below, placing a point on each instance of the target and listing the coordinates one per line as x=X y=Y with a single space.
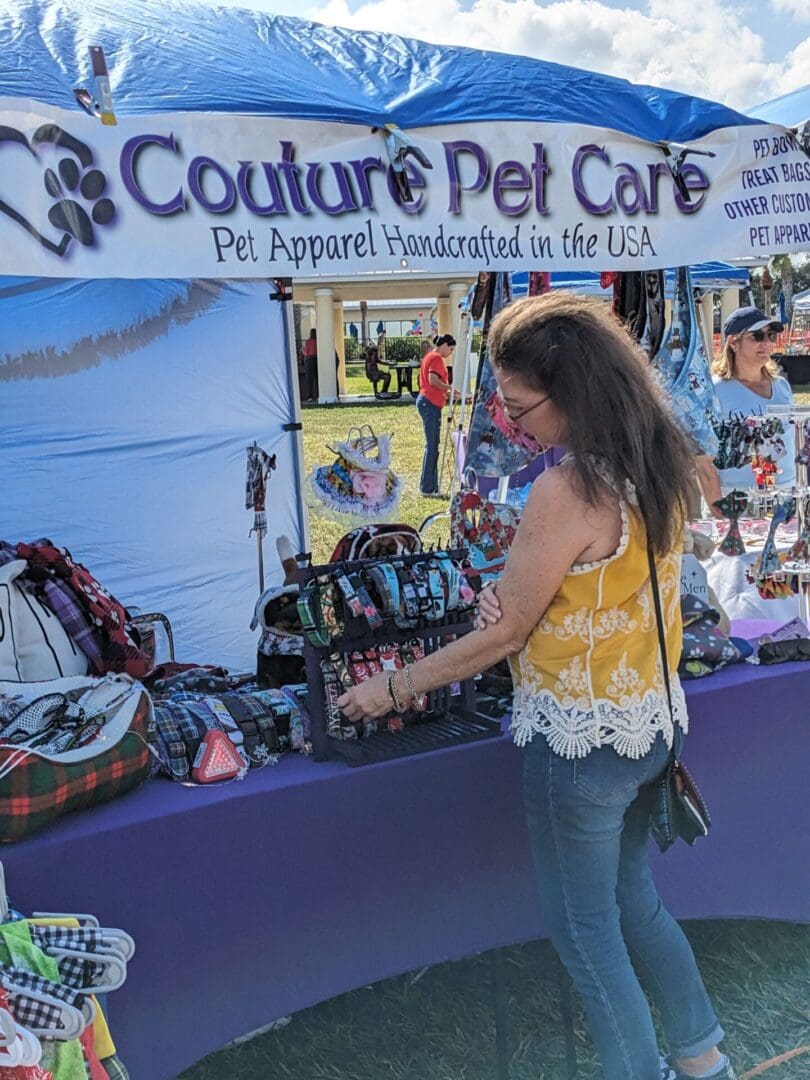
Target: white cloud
x=704 y=49
x=797 y=8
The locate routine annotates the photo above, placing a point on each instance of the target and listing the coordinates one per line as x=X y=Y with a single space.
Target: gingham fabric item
x=79 y=974
x=27 y=1010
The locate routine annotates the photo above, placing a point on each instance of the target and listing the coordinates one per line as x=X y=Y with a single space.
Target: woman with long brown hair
x=574 y=611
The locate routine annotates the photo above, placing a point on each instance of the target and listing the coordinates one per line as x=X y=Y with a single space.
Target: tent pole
x=297 y=437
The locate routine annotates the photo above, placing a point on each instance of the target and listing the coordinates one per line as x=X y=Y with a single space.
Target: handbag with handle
x=677 y=809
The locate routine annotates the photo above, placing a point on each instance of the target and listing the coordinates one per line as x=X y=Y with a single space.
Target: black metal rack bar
x=450 y=719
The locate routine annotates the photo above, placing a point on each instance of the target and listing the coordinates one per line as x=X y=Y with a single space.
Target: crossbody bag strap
x=659 y=618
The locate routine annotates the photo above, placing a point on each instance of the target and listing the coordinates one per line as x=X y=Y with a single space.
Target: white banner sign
x=213 y=195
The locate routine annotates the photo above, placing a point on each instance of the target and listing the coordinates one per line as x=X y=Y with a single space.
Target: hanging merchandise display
x=259 y=466
x=53 y=967
x=780 y=574
x=683 y=369
x=495 y=446
x=733 y=506
x=360 y=483
x=638 y=300
x=749 y=440
x=364 y=617
x=484 y=529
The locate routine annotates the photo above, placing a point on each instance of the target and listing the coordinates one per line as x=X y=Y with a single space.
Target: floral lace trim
x=577 y=726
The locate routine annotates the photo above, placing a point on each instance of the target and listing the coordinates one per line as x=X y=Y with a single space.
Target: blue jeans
x=589 y=831
x=432 y=421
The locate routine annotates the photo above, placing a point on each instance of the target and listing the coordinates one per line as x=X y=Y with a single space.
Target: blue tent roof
x=183 y=56
x=708 y=276
x=788 y=110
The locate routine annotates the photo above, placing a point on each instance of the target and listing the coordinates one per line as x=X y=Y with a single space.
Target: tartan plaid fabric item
x=116 y=1070
x=37 y=791
x=183 y=719
x=181 y=723
x=60 y=598
x=119 y=649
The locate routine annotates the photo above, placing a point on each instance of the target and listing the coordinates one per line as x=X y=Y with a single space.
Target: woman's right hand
x=489 y=607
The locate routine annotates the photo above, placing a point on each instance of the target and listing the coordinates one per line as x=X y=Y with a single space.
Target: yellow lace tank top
x=590 y=674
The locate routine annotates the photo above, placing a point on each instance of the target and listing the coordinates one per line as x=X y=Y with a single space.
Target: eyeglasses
x=762 y=335
x=515 y=417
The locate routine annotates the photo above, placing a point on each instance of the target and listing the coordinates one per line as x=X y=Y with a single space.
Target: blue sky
x=740 y=54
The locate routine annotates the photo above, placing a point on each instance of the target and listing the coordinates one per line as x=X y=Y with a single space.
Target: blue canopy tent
x=195 y=57
x=103 y=365
x=789 y=110
x=708 y=277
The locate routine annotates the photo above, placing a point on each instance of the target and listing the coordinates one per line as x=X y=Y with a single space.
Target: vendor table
x=405 y=377
x=254 y=899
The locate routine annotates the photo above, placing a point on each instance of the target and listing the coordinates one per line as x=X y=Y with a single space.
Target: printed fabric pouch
x=705 y=648
x=77 y=742
x=479 y=526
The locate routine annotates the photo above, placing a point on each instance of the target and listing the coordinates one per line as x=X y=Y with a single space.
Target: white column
x=340 y=345
x=325 y=325
x=458 y=290
x=729 y=301
x=707 y=323
x=443 y=314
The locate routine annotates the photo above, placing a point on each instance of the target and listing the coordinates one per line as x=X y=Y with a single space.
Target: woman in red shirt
x=434 y=390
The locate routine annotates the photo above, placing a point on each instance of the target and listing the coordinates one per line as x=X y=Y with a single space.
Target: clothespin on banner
x=676 y=155
x=100 y=102
x=802 y=136
x=399 y=147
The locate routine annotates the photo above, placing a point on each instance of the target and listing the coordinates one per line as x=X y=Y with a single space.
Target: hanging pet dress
x=733 y=506
x=496 y=446
x=683 y=369
x=360 y=484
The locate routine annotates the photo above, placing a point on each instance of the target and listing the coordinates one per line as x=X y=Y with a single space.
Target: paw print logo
x=68 y=213
x=76 y=183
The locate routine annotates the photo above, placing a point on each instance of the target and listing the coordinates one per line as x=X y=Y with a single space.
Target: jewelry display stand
x=449 y=718
x=795 y=565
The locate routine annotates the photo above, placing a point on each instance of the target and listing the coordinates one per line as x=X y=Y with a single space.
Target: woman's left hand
x=367 y=699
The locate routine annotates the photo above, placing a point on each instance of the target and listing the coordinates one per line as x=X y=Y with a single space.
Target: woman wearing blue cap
x=747 y=380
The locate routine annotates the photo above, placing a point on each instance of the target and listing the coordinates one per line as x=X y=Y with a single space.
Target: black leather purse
x=677 y=809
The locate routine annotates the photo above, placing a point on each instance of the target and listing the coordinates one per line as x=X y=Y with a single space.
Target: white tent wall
x=126 y=443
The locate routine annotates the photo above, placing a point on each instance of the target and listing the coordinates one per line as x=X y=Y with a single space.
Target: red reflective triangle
x=216 y=759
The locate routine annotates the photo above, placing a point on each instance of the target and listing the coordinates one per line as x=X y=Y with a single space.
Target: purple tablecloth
x=258 y=898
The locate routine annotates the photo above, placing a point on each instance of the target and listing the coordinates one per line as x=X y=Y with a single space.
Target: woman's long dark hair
x=577 y=352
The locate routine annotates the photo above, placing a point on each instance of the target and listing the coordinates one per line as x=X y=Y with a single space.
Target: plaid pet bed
x=37 y=791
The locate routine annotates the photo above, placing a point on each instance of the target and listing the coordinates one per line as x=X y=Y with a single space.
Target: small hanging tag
x=216 y=759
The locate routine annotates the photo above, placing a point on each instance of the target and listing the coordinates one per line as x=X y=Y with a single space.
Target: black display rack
x=450 y=719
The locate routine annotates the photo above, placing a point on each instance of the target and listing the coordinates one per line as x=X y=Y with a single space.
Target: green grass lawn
x=437 y=1025
x=324 y=426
